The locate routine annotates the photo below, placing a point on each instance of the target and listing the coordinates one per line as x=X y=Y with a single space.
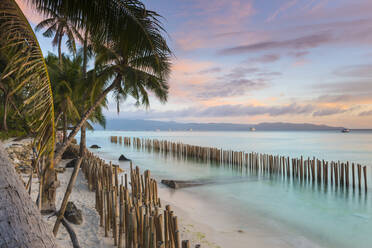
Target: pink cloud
x=29 y=11
x=210 y=21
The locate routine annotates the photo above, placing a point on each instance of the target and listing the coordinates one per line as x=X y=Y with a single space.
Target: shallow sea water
x=291 y=214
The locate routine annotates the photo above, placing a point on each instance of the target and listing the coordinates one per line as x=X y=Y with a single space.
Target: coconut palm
x=137 y=63
x=124 y=22
x=58 y=25
x=65 y=79
x=28 y=67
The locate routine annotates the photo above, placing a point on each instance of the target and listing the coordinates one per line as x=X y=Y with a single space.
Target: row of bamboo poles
x=130 y=209
x=338 y=174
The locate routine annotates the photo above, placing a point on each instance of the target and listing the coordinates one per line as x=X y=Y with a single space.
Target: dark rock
x=73 y=214
x=95 y=146
x=16 y=144
x=71 y=164
x=60 y=169
x=71 y=152
x=123 y=158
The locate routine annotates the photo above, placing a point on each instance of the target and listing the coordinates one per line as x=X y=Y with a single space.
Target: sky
x=252 y=61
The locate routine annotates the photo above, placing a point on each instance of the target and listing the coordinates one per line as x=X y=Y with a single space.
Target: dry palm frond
x=28 y=68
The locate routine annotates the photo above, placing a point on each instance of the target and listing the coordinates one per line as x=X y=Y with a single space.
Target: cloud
x=210 y=70
x=304 y=42
x=240 y=72
x=282 y=8
x=266 y=58
x=299 y=54
x=234 y=87
x=366 y=113
x=209 y=23
x=237 y=82
x=364 y=71
x=237 y=110
x=269 y=74
x=31 y=14
x=361 y=98
x=329 y=111
x=352 y=87
x=241 y=110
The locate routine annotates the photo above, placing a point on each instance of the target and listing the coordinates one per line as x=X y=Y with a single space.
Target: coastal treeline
x=113 y=47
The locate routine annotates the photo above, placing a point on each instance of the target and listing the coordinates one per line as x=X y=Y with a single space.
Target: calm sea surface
x=299 y=215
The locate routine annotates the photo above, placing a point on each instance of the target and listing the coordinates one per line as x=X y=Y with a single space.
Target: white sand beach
x=90 y=235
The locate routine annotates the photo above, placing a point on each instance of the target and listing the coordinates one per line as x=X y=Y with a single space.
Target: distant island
x=150 y=125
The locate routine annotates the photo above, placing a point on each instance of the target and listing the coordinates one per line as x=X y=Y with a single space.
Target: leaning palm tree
x=124 y=21
x=29 y=68
x=137 y=63
x=58 y=25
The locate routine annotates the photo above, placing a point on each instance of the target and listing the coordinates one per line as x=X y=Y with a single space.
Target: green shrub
x=12 y=134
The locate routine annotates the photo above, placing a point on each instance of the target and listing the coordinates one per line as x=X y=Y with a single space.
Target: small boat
x=345 y=130
x=252 y=129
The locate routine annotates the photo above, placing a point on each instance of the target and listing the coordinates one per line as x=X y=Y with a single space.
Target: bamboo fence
x=130 y=208
x=343 y=175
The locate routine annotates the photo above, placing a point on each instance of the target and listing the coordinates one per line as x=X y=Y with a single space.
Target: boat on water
x=252 y=129
x=345 y=130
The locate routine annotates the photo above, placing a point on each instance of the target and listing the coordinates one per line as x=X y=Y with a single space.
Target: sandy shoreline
x=89 y=233
x=210 y=230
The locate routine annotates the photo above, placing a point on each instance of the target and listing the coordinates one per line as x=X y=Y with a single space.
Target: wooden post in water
x=353 y=172
x=359 y=177
x=365 y=177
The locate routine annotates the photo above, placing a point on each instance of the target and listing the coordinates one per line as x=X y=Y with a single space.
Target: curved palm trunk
x=83 y=140
x=84 y=118
x=64 y=127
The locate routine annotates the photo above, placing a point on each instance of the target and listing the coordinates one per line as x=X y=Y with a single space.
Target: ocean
x=287 y=214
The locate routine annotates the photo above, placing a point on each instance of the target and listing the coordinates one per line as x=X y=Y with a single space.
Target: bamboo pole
x=71 y=184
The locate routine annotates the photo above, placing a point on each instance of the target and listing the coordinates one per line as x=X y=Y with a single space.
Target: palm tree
x=7 y=81
x=137 y=63
x=65 y=79
x=59 y=26
x=29 y=68
x=124 y=22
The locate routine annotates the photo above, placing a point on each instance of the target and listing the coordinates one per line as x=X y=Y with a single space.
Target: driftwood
x=71 y=232
x=177 y=184
x=21 y=224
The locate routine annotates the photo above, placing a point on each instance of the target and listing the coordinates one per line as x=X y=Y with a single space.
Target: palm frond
x=31 y=74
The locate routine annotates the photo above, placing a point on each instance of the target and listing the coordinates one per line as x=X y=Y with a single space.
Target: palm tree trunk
x=85 y=53
x=5 y=126
x=64 y=127
x=60 y=49
x=83 y=140
x=21 y=224
x=83 y=137
x=49 y=188
x=84 y=118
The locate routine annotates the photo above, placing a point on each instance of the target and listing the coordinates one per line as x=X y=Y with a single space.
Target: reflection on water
x=329 y=216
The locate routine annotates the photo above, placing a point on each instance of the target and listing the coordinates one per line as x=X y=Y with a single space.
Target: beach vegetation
x=131 y=58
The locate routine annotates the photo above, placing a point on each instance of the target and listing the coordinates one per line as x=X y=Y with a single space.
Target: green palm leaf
x=29 y=69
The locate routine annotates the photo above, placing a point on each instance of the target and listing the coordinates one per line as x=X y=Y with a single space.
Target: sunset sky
x=263 y=61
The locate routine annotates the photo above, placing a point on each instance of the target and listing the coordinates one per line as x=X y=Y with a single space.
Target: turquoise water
x=322 y=217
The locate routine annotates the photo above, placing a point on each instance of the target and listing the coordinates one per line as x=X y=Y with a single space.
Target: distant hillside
x=148 y=125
